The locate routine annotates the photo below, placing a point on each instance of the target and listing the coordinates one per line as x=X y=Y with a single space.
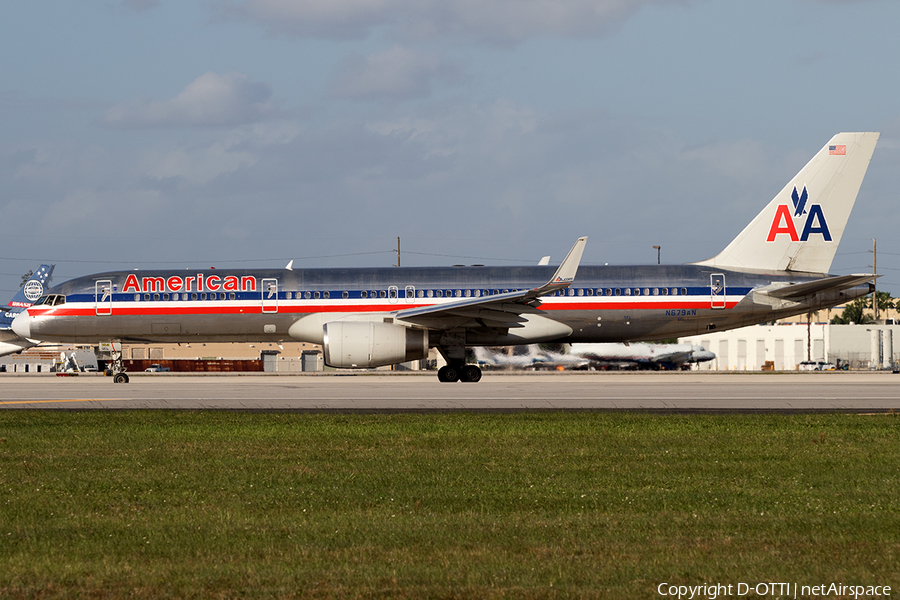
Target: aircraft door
x=270 y=295
x=717 y=290
x=410 y=294
x=103 y=297
x=393 y=294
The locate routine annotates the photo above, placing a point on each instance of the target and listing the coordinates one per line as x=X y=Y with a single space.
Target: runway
x=652 y=391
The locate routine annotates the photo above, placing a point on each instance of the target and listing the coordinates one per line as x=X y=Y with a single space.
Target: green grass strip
x=544 y=505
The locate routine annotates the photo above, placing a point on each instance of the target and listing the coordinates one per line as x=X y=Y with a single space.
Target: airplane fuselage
x=603 y=304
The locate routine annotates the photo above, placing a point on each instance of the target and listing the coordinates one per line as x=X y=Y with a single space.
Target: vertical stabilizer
x=34 y=288
x=801 y=227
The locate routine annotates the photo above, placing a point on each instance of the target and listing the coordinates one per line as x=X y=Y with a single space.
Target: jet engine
x=350 y=344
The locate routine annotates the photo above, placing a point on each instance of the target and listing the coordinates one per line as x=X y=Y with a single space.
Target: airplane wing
x=500 y=311
x=799 y=290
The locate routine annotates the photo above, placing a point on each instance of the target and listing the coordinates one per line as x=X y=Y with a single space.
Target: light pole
x=657 y=253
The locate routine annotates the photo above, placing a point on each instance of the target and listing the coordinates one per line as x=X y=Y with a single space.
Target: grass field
x=536 y=505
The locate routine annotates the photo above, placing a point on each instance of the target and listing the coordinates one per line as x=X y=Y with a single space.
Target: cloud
x=210 y=100
x=395 y=74
x=499 y=21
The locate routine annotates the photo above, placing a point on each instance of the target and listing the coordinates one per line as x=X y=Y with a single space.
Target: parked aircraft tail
x=11 y=343
x=801 y=227
x=32 y=289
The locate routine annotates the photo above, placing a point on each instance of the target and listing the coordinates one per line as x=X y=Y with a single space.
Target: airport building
x=783 y=347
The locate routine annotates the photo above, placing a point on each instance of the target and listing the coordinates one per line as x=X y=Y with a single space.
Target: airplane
x=584 y=356
x=642 y=356
x=534 y=357
x=366 y=317
x=31 y=290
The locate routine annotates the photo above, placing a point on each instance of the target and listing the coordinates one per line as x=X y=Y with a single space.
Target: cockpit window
x=51 y=300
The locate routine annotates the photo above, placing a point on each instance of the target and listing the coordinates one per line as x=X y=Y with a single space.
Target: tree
x=884 y=301
x=855 y=313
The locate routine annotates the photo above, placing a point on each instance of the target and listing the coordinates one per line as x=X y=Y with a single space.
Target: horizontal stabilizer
x=826 y=284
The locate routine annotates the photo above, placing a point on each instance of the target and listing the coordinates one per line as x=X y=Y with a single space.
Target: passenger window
x=146 y=297
x=231 y=295
x=363 y=294
x=665 y=291
x=203 y=296
x=468 y=293
x=429 y=294
x=156 y=297
x=345 y=295
x=307 y=295
x=382 y=294
x=326 y=295
x=646 y=291
x=316 y=295
x=137 y=297
x=618 y=291
x=684 y=291
x=165 y=296
x=627 y=291
x=194 y=296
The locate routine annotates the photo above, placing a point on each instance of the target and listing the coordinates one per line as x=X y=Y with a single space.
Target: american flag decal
x=840 y=150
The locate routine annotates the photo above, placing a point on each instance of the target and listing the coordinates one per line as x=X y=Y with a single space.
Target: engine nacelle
x=370 y=344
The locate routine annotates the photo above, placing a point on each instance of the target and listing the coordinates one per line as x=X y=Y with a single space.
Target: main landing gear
x=452 y=347
x=464 y=373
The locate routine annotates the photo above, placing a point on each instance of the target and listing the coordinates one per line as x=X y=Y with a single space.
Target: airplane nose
x=22 y=325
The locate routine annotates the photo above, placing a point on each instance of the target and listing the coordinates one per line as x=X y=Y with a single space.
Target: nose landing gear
x=118 y=366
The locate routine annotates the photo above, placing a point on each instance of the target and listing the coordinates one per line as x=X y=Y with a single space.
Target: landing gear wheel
x=448 y=374
x=470 y=374
x=118 y=367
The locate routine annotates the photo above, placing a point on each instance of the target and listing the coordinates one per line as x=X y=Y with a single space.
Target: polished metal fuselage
x=604 y=304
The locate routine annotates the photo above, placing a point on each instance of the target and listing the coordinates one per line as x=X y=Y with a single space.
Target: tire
x=470 y=374
x=120 y=378
x=448 y=374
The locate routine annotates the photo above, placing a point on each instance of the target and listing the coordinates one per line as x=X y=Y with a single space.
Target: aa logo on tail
x=783 y=223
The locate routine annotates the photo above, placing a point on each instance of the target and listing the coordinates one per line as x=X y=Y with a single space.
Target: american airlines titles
x=194 y=283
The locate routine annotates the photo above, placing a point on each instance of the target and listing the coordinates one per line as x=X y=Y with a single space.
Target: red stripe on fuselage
x=198 y=308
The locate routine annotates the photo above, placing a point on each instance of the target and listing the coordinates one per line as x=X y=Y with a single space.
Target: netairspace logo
x=33 y=289
x=711 y=591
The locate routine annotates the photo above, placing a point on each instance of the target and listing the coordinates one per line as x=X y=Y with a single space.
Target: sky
x=247 y=133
